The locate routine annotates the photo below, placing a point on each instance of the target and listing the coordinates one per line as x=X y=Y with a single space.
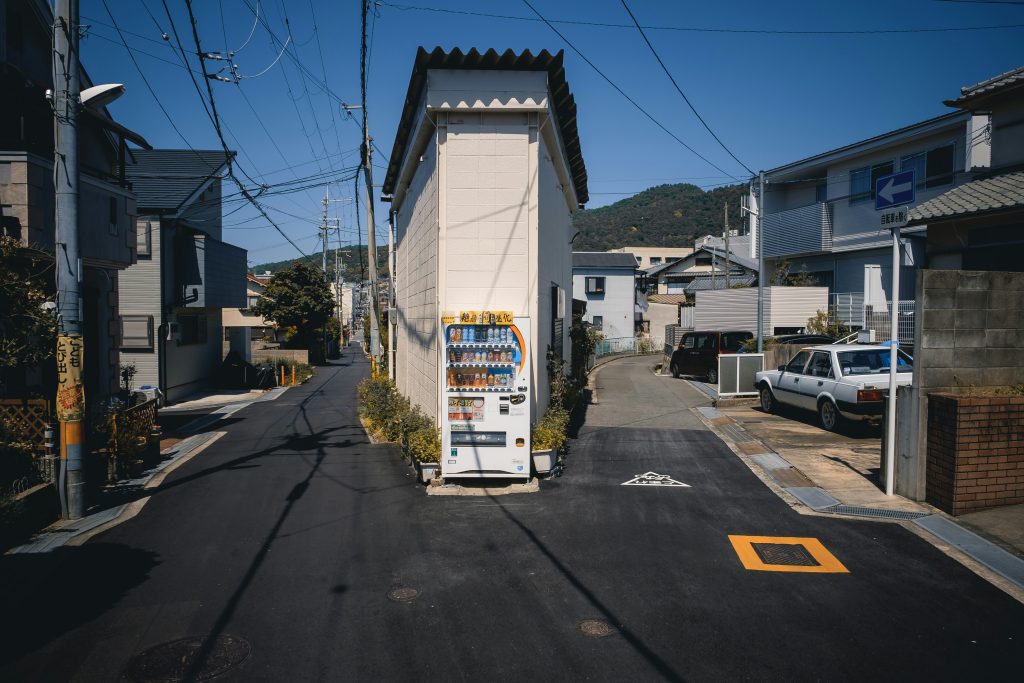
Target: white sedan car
x=838 y=381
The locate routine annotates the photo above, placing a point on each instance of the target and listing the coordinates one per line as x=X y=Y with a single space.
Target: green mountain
x=353 y=261
x=662 y=216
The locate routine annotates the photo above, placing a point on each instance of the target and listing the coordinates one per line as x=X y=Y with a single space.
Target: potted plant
x=425 y=449
x=548 y=438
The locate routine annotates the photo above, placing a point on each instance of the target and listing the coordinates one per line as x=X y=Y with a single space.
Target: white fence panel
x=736 y=373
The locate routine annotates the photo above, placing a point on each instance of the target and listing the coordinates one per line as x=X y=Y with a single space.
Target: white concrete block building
x=484 y=177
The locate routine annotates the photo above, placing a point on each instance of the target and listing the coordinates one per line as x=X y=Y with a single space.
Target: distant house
x=106 y=204
x=607 y=283
x=647 y=257
x=706 y=268
x=172 y=299
x=241 y=325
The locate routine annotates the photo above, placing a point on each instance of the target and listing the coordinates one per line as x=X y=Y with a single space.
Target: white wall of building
x=615 y=307
x=416 y=230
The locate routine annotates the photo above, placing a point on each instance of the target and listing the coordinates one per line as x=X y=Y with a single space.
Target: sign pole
x=894 y=319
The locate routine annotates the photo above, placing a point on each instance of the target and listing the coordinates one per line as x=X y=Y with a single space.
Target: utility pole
x=371 y=225
x=760 y=263
x=728 y=256
x=70 y=399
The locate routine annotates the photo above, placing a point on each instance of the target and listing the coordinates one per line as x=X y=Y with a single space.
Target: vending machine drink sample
x=487 y=383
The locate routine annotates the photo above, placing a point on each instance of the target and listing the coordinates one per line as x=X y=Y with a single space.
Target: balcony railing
x=807 y=229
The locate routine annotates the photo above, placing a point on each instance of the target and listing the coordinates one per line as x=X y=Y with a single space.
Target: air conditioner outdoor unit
x=865 y=336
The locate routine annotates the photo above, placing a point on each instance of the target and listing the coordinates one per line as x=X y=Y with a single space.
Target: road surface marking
x=653 y=479
x=827 y=562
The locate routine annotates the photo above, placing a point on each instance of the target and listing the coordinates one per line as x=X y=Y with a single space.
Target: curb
x=984 y=558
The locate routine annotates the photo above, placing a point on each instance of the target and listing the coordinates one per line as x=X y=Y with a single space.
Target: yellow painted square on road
x=807 y=555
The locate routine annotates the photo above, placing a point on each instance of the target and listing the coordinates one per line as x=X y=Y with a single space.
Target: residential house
x=27 y=200
x=172 y=299
x=485 y=174
x=705 y=268
x=241 y=326
x=606 y=281
x=647 y=257
x=819 y=213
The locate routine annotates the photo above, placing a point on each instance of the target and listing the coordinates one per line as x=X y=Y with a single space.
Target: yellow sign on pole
x=70 y=392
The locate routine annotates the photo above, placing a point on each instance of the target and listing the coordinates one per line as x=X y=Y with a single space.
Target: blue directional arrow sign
x=894 y=190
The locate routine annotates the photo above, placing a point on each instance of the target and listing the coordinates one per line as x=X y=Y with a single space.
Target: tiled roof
x=706 y=283
x=988 y=87
x=1000 y=192
x=602 y=259
x=163 y=179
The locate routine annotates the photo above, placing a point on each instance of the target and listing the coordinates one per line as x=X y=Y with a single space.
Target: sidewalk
x=837 y=474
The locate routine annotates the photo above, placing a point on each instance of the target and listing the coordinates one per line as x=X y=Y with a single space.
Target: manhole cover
x=595 y=628
x=177 y=660
x=403 y=594
x=790 y=554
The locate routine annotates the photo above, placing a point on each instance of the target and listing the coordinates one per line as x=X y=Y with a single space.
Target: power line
x=623 y=93
x=680 y=90
x=696 y=29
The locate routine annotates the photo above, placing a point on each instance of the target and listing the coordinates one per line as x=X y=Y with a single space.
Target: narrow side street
x=290 y=532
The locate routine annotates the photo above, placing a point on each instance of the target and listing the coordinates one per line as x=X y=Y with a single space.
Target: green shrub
x=392 y=417
x=424 y=445
x=550 y=430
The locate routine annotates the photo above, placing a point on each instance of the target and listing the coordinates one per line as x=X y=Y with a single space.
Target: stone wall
x=969 y=335
x=975 y=452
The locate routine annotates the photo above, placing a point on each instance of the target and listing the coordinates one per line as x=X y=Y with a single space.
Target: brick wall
x=975 y=452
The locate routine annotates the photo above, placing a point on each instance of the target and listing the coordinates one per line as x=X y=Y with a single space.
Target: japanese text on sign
x=70 y=393
x=486 y=317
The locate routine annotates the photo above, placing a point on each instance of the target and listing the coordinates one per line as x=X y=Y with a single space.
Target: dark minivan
x=697 y=354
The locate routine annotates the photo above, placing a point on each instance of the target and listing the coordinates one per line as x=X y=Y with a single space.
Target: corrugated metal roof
x=602 y=259
x=988 y=87
x=998 y=193
x=666 y=298
x=163 y=179
x=561 y=99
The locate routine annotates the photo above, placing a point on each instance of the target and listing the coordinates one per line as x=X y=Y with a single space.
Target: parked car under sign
x=838 y=381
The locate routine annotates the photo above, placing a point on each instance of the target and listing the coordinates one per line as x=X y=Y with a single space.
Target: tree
x=299 y=301
x=785 y=277
x=27 y=330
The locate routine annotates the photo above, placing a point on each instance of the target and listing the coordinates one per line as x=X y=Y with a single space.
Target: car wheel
x=829 y=415
x=712 y=375
x=675 y=371
x=768 y=404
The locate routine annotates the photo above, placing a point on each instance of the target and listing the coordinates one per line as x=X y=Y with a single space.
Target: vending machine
x=485 y=431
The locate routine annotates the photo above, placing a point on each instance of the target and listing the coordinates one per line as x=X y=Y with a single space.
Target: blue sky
x=772 y=98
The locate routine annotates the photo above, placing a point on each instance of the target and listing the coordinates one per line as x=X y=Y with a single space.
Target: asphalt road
x=290 y=531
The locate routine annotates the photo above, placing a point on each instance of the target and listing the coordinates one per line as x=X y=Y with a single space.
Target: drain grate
x=789 y=554
x=176 y=661
x=872 y=512
x=403 y=594
x=595 y=628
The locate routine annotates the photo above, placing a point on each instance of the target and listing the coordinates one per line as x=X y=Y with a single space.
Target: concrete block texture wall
x=975 y=452
x=969 y=336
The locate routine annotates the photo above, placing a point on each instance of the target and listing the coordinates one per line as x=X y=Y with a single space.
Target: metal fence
x=851 y=310
x=736 y=373
x=625 y=345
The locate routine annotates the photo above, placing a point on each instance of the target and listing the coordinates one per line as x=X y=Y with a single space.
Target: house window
x=251 y=301
x=137 y=332
x=862 y=181
x=638 y=260
x=191 y=329
x=595 y=285
x=143 y=238
x=598 y=322
x=933 y=168
x=939 y=167
x=655 y=260
x=112 y=207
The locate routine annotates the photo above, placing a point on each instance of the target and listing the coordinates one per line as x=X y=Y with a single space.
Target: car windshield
x=872 y=362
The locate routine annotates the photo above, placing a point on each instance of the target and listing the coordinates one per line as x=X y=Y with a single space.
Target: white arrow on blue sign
x=893 y=190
